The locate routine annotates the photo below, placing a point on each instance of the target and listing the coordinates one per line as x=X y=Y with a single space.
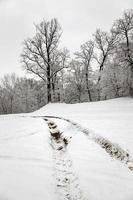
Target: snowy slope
x=112 y=119
x=30 y=169
x=102 y=177
x=25 y=160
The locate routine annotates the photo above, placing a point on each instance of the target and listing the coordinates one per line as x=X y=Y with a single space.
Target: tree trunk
x=98 y=94
x=131 y=82
x=26 y=101
x=53 y=91
x=99 y=78
x=130 y=63
x=11 y=105
x=98 y=87
x=87 y=85
x=58 y=95
x=48 y=85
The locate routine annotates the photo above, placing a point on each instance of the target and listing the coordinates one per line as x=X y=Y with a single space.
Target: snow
x=31 y=169
x=25 y=160
x=112 y=119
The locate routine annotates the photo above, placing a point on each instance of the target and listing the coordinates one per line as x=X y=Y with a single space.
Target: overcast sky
x=78 y=18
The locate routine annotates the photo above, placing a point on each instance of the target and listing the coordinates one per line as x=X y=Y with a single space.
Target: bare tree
x=76 y=81
x=19 y=94
x=8 y=85
x=3 y=101
x=123 y=27
x=60 y=63
x=39 y=52
x=86 y=55
x=105 y=43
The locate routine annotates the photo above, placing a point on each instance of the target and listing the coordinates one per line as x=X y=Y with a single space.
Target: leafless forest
x=102 y=68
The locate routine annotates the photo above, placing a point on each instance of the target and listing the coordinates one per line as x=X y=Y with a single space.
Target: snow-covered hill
x=30 y=169
x=112 y=119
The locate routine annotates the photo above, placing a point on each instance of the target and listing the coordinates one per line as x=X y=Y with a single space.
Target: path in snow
x=66 y=181
x=114 y=150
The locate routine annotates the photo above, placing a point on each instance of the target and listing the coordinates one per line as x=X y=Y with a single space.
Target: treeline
x=101 y=69
x=21 y=94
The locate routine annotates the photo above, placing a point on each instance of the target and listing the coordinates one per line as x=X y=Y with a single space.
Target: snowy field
x=30 y=169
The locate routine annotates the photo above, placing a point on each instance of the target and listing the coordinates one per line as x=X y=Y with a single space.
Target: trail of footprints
x=67 y=184
x=114 y=150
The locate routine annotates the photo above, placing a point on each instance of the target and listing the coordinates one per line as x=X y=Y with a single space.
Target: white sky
x=78 y=18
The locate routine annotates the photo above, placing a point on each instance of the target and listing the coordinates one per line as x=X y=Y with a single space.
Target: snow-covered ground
x=30 y=169
x=112 y=119
x=25 y=160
